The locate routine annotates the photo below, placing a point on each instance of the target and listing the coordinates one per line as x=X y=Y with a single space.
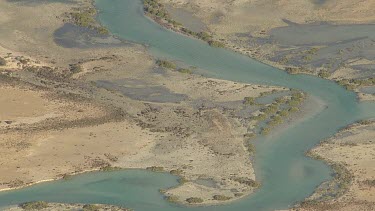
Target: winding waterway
x=286 y=174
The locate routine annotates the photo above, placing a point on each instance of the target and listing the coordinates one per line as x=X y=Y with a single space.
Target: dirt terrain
x=66 y=110
x=332 y=39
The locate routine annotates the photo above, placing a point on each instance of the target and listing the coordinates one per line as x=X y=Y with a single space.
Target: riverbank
x=72 y=110
x=271 y=37
x=40 y=205
x=351 y=154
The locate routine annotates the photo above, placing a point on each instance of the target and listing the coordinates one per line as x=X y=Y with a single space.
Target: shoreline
x=142 y=168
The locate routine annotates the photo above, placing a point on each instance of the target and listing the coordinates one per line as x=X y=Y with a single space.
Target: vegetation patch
x=221 y=198
x=155 y=168
x=85 y=17
x=34 y=205
x=194 y=200
x=157 y=11
x=3 y=62
x=247 y=181
x=110 y=168
x=172 y=199
x=90 y=207
x=166 y=64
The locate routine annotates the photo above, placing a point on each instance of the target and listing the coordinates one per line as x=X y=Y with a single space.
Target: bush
x=184 y=70
x=216 y=44
x=172 y=199
x=246 y=181
x=75 y=68
x=110 y=168
x=166 y=64
x=249 y=101
x=194 y=200
x=90 y=207
x=265 y=131
x=221 y=197
x=176 y=172
x=35 y=205
x=155 y=168
x=3 y=62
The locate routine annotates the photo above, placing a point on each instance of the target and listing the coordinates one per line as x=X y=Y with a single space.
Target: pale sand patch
x=16 y=103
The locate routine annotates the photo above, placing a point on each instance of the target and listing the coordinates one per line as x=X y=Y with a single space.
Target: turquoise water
x=287 y=175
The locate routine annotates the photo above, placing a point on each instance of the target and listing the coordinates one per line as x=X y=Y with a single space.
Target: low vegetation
x=90 y=207
x=172 y=199
x=3 y=62
x=155 y=168
x=247 y=181
x=34 y=205
x=194 y=200
x=110 y=168
x=166 y=64
x=86 y=18
x=221 y=198
x=157 y=11
x=351 y=84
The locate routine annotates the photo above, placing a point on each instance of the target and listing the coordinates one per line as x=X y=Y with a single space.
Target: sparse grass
x=110 y=168
x=221 y=198
x=194 y=200
x=3 y=62
x=185 y=70
x=216 y=44
x=86 y=18
x=249 y=101
x=75 y=68
x=172 y=199
x=246 y=181
x=155 y=168
x=166 y=64
x=176 y=172
x=34 y=205
x=90 y=207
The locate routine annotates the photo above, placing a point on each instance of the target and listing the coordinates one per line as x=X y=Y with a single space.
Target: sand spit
x=351 y=152
x=58 y=119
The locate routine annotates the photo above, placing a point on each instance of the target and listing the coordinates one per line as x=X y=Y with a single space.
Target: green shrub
x=249 y=101
x=3 y=62
x=221 y=197
x=90 y=207
x=166 y=64
x=76 y=68
x=35 y=205
x=324 y=74
x=172 y=199
x=110 y=168
x=216 y=44
x=184 y=70
x=155 y=168
x=246 y=181
x=194 y=200
x=265 y=131
x=176 y=172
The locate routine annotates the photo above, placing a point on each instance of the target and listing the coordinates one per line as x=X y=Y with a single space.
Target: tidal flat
x=189 y=125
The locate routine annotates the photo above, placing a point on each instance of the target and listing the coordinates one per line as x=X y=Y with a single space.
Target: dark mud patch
x=72 y=36
x=139 y=90
x=322 y=46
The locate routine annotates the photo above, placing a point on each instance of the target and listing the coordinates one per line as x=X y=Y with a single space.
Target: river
x=287 y=175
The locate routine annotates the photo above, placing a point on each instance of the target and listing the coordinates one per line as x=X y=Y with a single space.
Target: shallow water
x=287 y=175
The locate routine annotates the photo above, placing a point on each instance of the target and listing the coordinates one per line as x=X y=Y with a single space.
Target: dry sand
x=354 y=149
x=54 y=122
